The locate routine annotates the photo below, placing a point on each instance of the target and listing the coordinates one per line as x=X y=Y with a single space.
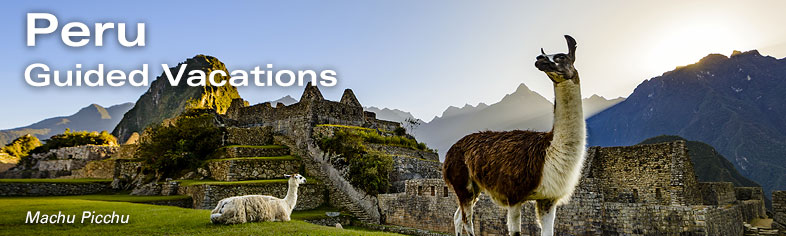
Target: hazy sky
x=418 y=56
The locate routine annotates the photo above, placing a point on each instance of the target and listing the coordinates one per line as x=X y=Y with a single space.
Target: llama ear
x=287 y=176
x=571 y=47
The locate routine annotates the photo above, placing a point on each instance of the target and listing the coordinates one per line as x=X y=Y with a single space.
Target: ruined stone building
x=636 y=190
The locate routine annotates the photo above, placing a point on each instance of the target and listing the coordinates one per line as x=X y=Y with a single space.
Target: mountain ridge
x=521 y=109
x=732 y=103
x=93 y=117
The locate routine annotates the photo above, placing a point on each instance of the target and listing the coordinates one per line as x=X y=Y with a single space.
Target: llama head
x=296 y=179
x=559 y=66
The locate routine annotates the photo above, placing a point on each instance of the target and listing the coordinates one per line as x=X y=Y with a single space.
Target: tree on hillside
x=21 y=146
x=180 y=144
x=76 y=138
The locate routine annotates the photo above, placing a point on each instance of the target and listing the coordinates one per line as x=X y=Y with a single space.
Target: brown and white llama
x=514 y=167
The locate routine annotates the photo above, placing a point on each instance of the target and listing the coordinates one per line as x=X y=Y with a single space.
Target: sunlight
x=686 y=41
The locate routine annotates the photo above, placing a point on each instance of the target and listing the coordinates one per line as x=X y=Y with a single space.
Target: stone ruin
x=298 y=120
x=62 y=162
x=636 y=190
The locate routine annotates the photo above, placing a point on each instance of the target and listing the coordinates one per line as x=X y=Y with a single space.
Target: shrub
x=21 y=146
x=367 y=170
x=182 y=144
x=73 y=139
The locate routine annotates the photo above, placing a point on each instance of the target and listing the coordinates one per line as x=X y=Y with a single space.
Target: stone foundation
x=717 y=193
x=23 y=189
x=252 y=151
x=407 y=168
x=310 y=196
x=779 y=210
x=428 y=204
x=251 y=169
x=258 y=136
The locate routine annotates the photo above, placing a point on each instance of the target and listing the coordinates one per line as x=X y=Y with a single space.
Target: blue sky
x=418 y=56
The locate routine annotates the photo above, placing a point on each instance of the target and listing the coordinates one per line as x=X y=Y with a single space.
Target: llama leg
x=457 y=223
x=467 y=212
x=514 y=220
x=547 y=211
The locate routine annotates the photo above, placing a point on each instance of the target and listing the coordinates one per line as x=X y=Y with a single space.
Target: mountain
x=454 y=111
x=391 y=114
x=709 y=165
x=287 y=100
x=522 y=109
x=91 y=118
x=735 y=104
x=163 y=101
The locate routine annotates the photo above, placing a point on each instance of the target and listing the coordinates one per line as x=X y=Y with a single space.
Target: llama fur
x=256 y=208
x=516 y=167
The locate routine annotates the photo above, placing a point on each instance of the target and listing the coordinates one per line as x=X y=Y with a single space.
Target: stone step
x=253 y=168
x=236 y=151
x=206 y=194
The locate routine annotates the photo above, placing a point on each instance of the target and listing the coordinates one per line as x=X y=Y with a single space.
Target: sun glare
x=686 y=41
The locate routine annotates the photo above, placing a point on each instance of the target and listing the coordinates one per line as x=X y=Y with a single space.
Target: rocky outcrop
x=164 y=101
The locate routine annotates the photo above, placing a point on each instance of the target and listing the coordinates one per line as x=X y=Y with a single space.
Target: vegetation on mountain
x=76 y=138
x=21 y=147
x=367 y=169
x=709 y=165
x=164 y=101
x=180 y=145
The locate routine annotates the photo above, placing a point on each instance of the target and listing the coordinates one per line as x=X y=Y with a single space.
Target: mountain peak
x=747 y=53
x=522 y=88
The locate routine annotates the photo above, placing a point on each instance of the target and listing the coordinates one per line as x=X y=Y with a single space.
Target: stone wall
x=103 y=169
x=407 y=168
x=59 y=162
x=248 y=169
x=402 y=151
x=426 y=205
x=257 y=136
x=51 y=189
x=296 y=120
x=125 y=151
x=640 y=190
x=243 y=151
x=717 y=193
x=310 y=196
x=654 y=173
x=779 y=210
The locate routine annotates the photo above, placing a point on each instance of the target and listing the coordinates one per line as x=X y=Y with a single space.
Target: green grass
x=75 y=181
x=144 y=220
x=126 y=198
x=318 y=213
x=278 y=158
x=252 y=146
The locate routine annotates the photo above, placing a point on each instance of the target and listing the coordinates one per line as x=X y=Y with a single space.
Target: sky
x=417 y=56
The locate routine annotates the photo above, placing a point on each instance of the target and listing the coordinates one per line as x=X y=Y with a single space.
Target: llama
x=253 y=208
x=514 y=167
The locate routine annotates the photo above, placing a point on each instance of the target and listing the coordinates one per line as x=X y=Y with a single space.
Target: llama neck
x=569 y=128
x=291 y=198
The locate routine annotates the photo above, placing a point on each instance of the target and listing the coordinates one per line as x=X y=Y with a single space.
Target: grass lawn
x=145 y=219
